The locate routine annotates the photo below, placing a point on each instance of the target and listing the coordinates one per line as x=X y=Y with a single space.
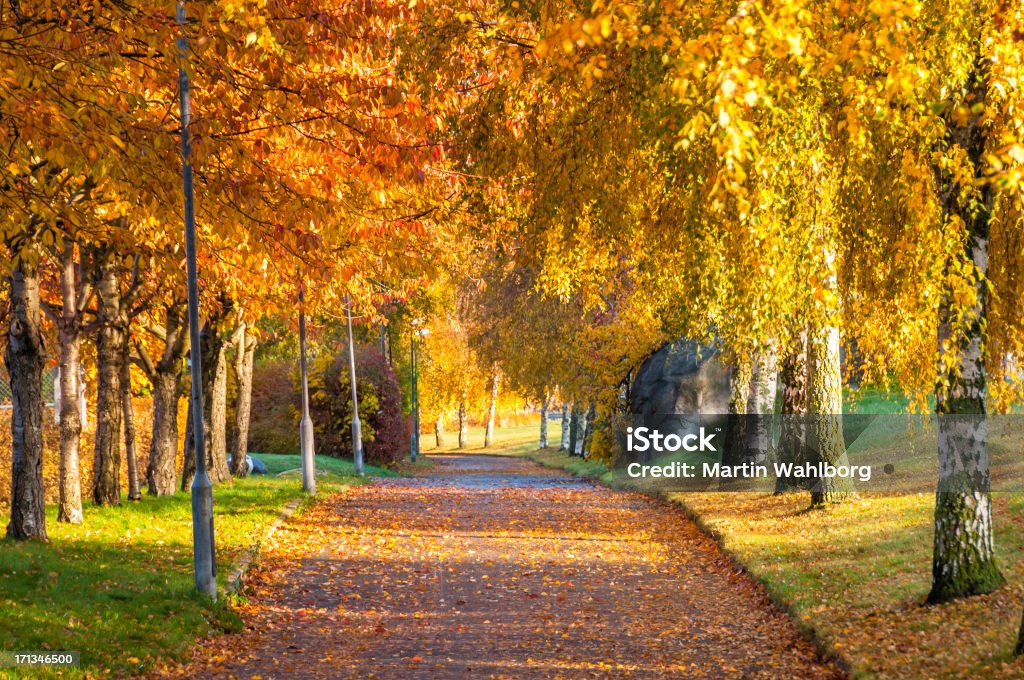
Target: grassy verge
x=118 y=588
x=508 y=441
x=330 y=469
x=581 y=467
x=855 y=576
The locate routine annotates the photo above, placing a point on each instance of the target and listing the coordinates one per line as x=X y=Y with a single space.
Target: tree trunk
x=825 y=405
x=764 y=382
x=245 y=351
x=188 y=463
x=166 y=377
x=792 y=422
x=131 y=457
x=218 y=419
x=492 y=409
x=736 y=424
x=963 y=561
x=24 y=359
x=163 y=448
x=439 y=431
x=463 y=423
x=574 y=429
x=83 y=404
x=566 y=425
x=588 y=430
x=544 y=423
x=211 y=346
x=106 y=469
x=69 y=506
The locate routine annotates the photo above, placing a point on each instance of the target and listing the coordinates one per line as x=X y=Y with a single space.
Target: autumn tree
x=929 y=85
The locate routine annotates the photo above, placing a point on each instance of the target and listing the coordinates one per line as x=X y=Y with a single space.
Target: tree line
x=780 y=179
x=600 y=178
x=313 y=170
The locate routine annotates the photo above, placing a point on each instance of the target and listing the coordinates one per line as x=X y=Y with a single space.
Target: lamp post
x=357 y=428
x=203 y=547
x=306 y=423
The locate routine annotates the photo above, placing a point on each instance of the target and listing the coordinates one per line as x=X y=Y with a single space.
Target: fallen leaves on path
x=492 y=567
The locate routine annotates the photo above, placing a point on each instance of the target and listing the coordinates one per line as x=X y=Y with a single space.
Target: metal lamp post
x=203 y=546
x=306 y=423
x=357 y=428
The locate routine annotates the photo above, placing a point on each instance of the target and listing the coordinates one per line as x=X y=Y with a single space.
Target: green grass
x=119 y=587
x=508 y=441
x=874 y=400
x=581 y=467
x=278 y=463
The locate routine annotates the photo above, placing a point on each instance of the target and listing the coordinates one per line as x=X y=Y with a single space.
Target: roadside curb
x=237 y=577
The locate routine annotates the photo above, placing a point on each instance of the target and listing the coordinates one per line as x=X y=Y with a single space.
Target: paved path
x=488 y=567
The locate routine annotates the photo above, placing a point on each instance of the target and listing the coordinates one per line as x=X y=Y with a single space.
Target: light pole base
x=203 y=547
x=357 y=445
x=308 y=462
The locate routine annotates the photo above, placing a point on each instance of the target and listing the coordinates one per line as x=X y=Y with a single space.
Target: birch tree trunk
x=245 y=351
x=825 y=405
x=764 y=382
x=439 y=431
x=963 y=559
x=588 y=430
x=69 y=332
x=566 y=425
x=463 y=423
x=25 y=360
x=131 y=455
x=572 y=431
x=492 y=409
x=544 y=423
x=793 y=412
x=218 y=419
x=575 y=435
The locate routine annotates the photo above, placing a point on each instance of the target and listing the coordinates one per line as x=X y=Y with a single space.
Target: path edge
x=236 y=579
x=807 y=631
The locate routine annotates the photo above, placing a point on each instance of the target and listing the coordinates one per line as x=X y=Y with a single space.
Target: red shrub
x=385 y=439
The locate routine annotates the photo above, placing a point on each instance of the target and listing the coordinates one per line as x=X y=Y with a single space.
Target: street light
x=357 y=429
x=306 y=423
x=203 y=547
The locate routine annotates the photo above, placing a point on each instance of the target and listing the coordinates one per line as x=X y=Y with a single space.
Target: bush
x=385 y=439
x=274 y=424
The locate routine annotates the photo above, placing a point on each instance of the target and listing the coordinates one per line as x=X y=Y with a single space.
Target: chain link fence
x=49 y=377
